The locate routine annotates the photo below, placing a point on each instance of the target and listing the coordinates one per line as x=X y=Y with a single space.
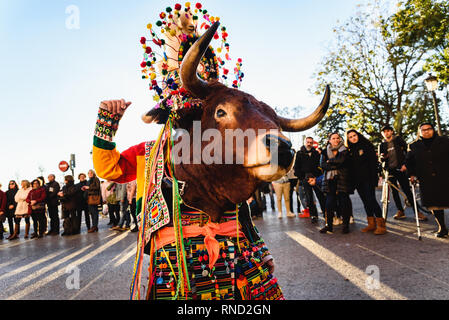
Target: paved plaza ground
x=310 y=265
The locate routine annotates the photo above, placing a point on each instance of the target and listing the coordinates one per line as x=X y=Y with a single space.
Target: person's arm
x=109 y=163
x=410 y=161
x=339 y=159
x=324 y=164
x=110 y=186
x=28 y=198
x=71 y=192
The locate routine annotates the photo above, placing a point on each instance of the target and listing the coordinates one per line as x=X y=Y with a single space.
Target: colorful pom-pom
x=143 y=40
x=178 y=7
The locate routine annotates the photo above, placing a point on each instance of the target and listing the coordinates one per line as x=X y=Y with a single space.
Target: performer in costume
x=191 y=257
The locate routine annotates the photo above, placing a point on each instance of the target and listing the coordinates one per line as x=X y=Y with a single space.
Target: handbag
x=93 y=200
x=38 y=206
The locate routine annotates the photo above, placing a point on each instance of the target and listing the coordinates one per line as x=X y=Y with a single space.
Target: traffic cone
x=305 y=213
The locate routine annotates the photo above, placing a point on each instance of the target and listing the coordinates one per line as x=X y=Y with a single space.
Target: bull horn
x=188 y=72
x=296 y=125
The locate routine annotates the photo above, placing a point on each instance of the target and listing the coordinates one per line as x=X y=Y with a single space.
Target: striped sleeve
x=108 y=162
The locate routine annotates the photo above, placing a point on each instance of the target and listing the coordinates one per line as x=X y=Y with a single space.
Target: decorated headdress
x=163 y=65
x=179 y=28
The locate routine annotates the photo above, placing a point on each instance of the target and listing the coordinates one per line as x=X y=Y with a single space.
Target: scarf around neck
x=340 y=148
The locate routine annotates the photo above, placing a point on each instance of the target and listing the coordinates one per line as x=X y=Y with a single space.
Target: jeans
x=93 y=211
x=310 y=201
x=368 y=195
x=398 y=176
x=337 y=202
x=132 y=209
x=79 y=215
x=293 y=184
x=114 y=213
x=124 y=214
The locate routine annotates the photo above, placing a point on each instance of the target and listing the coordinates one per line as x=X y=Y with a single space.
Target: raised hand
x=115 y=106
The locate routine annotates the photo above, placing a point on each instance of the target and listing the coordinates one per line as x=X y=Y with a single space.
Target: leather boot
x=27 y=230
x=16 y=232
x=371 y=225
x=381 y=227
x=421 y=216
x=399 y=215
x=442 y=229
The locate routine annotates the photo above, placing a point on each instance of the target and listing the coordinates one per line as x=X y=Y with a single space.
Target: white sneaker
x=290 y=215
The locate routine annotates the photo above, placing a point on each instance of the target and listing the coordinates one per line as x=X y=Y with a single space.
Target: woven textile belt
x=209 y=231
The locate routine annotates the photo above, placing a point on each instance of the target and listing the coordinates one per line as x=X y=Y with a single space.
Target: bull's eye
x=221 y=113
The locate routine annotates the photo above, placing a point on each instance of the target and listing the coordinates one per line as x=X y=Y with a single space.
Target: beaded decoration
x=164 y=52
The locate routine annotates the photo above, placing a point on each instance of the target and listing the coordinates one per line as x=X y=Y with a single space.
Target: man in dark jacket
x=81 y=204
x=428 y=161
x=52 y=188
x=68 y=199
x=307 y=169
x=392 y=153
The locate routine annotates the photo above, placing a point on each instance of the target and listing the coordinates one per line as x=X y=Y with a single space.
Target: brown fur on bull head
x=217 y=187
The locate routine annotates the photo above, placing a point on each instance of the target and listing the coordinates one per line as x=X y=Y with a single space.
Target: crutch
x=416 y=209
x=385 y=195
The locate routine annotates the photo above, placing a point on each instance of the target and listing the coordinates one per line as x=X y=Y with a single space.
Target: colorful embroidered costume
x=235 y=274
x=190 y=257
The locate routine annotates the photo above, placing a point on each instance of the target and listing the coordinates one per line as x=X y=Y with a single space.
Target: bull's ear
x=156 y=115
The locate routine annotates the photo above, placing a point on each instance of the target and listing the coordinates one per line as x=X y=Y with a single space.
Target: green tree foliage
x=375 y=78
x=426 y=23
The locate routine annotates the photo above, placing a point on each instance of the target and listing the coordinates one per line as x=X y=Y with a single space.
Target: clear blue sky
x=52 y=78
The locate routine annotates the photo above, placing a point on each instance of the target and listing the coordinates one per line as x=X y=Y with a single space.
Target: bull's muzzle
x=281 y=150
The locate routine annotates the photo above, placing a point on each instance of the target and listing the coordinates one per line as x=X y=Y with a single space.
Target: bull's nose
x=281 y=150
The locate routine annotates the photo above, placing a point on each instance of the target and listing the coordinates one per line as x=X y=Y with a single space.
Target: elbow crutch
x=385 y=195
x=416 y=209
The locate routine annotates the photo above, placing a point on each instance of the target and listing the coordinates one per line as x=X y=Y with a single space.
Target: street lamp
x=432 y=86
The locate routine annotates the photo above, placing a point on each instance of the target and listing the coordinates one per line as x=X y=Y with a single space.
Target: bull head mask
x=228 y=108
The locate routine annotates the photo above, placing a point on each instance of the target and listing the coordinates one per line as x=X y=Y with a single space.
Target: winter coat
x=307 y=162
x=39 y=195
x=3 y=204
x=52 y=193
x=69 y=198
x=94 y=187
x=81 y=196
x=10 y=201
x=21 y=200
x=341 y=163
x=363 y=164
x=431 y=166
x=400 y=147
